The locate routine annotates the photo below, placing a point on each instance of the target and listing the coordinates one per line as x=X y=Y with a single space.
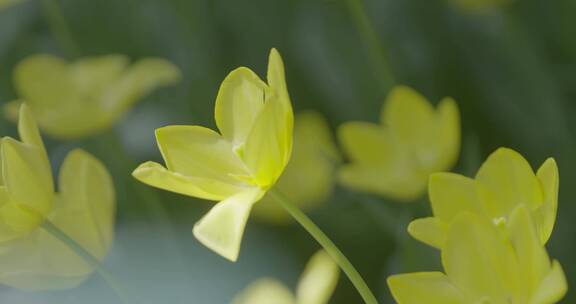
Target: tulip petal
x=285 y=116
x=26 y=178
x=429 y=230
x=447 y=139
x=478 y=260
x=222 y=228
x=239 y=101
x=553 y=286
x=262 y=291
x=369 y=144
x=158 y=176
x=509 y=181
x=424 y=287
x=199 y=152
x=319 y=279
x=450 y=194
x=545 y=215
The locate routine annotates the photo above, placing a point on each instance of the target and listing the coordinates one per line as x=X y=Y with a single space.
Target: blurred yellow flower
x=235 y=166
x=30 y=257
x=316 y=285
x=483 y=266
x=395 y=158
x=73 y=100
x=308 y=179
x=504 y=181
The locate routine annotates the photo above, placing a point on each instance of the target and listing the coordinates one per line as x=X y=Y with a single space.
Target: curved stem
x=376 y=50
x=86 y=256
x=328 y=245
x=59 y=27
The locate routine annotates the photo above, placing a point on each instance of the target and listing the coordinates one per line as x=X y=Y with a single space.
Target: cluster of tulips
x=491 y=230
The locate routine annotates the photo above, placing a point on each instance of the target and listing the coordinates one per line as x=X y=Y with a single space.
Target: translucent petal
x=409 y=115
x=156 y=175
x=263 y=291
x=446 y=142
x=264 y=151
x=450 y=194
x=397 y=182
x=91 y=76
x=531 y=255
x=86 y=208
x=28 y=130
x=137 y=81
x=478 y=261
x=319 y=280
x=42 y=81
x=545 y=215
x=239 y=101
x=429 y=230
x=26 y=178
x=367 y=143
x=552 y=288
x=222 y=228
x=509 y=181
x=16 y=221
x=285 y=116
x=424 y=287
x=196 y=151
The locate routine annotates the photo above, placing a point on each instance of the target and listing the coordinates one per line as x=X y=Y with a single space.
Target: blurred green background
x=511 y=69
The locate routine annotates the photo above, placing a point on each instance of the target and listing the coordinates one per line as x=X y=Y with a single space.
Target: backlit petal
x=429 y=230
x=545 y=215
x=553 y=286
x=450 y=194
x=263 y=291
x=222 y=228
x=424 y=287
x=319 y=280
x=367 y=143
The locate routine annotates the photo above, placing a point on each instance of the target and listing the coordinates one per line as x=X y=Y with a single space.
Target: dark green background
x=511 y=70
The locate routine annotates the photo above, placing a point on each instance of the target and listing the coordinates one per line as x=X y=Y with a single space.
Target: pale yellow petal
x=446 y=141
x=158 y=176
x=451 y=194
x=25 y=176
x=508 y=181
x=319 y=280
x=138 y=80
x=199 y=152
x=396 y=182
x=429 y=230
x=552 y=288
x=367 y=143
x=222 y=228
x=239 y=101
x=91 y=76
x=264 y=291
x=424 y=287
x=545 y=215
x=478 y=261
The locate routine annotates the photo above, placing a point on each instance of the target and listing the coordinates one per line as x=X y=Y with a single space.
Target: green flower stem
x=87 y=257
x=327 y=244
x=59 y=27
x=376 y=50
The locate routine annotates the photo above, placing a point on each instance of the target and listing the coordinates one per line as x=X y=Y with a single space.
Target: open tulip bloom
x=394 y=158
x=87 y=96
x=503 y=182
x=236 y=166
x=484 y=265
x=31 y=258
x=315 y=286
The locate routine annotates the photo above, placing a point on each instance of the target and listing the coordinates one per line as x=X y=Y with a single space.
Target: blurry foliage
x=511 y=71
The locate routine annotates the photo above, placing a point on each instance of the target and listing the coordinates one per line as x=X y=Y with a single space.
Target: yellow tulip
x=483 y=265
x=85 y=97
x=235 y=166
x=395 y=158
x=316 y=285
x=504 y=181
x=314 y=157
x=30 y=257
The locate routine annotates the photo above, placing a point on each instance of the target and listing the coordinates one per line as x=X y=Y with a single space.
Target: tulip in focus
x=71 y=100
x=504 y=181
x=483 y=266
x=316 y=285
x=308 y=179
x=394 y=158
x=30 y=257
x=236 y=166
